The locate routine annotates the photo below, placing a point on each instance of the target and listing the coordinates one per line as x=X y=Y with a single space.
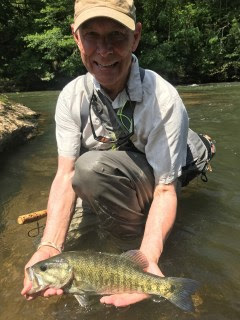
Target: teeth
x=105 y=65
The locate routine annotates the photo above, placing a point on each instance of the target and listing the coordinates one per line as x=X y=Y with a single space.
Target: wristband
x=50 y=244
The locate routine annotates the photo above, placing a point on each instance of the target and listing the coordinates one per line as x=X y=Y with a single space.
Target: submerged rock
x=18 y=124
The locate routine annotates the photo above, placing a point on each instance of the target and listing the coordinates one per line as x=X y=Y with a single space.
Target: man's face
x=106 y=49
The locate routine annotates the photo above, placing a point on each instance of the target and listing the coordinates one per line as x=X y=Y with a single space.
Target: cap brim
x=104 y=12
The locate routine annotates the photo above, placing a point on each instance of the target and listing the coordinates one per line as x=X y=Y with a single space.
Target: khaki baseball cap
x=122 y=11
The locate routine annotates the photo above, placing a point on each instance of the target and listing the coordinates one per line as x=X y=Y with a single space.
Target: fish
x=86 y=273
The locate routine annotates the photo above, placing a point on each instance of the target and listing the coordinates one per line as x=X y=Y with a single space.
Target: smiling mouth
x=106 y=66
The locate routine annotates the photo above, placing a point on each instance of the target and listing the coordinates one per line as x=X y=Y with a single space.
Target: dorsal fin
x=136 y=257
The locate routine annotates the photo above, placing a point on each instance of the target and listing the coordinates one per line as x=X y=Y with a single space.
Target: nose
x=104 y=47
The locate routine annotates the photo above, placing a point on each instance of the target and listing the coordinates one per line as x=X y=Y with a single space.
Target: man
x=126 y=176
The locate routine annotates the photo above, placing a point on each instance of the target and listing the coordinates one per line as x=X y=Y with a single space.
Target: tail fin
x=181 y=291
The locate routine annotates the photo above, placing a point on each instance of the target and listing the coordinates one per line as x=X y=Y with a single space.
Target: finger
x=161 y=274
x=26 y=287
x=52 y=292
x=59 y=292
x=123 y=300
x=49 y=292
x=157 y=272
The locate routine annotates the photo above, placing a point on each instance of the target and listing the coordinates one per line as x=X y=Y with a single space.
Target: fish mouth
x=37 y=282
x=30 y=274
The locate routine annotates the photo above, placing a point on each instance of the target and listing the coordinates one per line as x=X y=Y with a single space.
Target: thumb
x=27 y=285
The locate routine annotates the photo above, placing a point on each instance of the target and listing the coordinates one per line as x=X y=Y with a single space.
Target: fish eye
x=43 y=267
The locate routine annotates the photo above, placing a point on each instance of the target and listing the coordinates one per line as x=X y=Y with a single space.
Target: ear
x=76 y=35
x=137 y=35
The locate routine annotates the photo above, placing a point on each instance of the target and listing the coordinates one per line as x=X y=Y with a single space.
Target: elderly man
x=122 y=142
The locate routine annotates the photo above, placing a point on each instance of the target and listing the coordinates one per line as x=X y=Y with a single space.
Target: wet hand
x=126 y=299
x=42 y=254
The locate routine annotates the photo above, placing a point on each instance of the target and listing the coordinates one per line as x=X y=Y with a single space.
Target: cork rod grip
x=33 y=216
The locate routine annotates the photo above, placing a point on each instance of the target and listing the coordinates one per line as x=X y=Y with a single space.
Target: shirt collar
x=134 y=84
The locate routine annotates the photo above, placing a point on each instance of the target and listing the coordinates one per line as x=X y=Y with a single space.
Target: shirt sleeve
x=68 y=126
x=166 y=148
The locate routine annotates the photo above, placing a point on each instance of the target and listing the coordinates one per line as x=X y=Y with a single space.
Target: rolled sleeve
x=68 y=128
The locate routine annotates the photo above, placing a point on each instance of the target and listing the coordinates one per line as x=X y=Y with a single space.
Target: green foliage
x=191 y=41
x=185 y=41
x=37 y=48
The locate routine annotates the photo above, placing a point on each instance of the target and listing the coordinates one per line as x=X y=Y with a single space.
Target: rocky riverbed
x=18 y=124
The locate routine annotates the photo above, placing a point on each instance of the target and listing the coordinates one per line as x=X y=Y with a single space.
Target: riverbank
x=18 y=124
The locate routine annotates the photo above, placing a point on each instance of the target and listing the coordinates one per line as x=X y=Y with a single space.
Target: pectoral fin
x=81 y=287
x=82 y=299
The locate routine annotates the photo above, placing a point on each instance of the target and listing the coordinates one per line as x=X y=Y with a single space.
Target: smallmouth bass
x=88 y=273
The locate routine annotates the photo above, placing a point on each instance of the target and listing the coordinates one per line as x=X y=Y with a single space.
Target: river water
x=204 y=244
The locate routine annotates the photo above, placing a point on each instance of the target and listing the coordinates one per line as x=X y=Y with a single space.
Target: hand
x=125 y=299
x=43 y=253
